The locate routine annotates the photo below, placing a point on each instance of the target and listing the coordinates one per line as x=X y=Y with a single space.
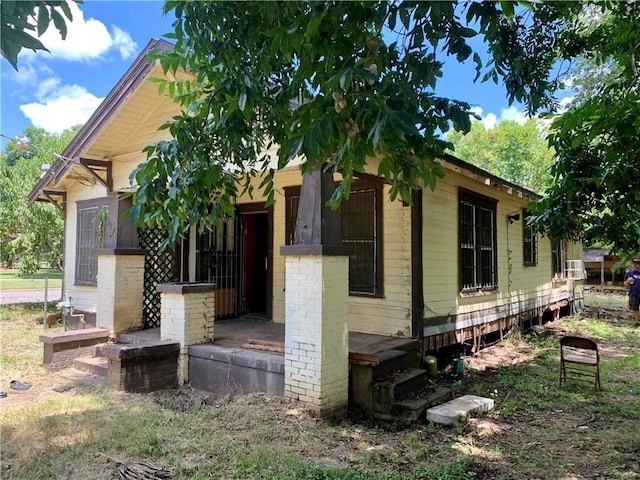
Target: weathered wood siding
x=520 y=288
x=85 y=298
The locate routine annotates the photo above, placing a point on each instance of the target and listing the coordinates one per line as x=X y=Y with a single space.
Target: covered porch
x=247 y=355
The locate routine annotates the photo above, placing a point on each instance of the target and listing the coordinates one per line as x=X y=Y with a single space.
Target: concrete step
x=412 y=409
x=95 y=365
x=448 y=413
x=397 y=386
x=141 y=336
x=99 y=349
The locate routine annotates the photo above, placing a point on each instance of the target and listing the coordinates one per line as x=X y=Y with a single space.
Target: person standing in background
x=632 y=282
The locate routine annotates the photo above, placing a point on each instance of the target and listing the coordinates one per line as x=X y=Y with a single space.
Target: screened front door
x=236 y=256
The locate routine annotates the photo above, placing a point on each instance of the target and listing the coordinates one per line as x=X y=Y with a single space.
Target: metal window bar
x=219 y=260
x=87 y=241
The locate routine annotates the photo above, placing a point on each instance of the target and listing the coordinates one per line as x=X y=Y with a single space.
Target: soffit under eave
x=136 y=121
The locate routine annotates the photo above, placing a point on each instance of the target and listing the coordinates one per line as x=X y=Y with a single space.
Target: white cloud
x=477 y=110
x=71 y=105
x=45 y=87
x=489 y=121
x=512 y=113
x=564 y=104
x=46 y=101
x=124 y=43
x=87 y=39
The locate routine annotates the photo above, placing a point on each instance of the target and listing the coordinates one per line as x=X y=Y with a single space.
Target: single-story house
x=457 y=264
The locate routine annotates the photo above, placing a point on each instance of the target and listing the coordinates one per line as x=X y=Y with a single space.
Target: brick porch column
x=120 y=289
x=120 y=271
x=187 y=313
x=316 y=368
x=316 y=357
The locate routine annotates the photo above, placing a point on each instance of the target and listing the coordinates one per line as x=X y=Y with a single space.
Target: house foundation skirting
x=471 y=326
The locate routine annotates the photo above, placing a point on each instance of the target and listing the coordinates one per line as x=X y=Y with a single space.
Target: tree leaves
x=17 y=19
x=334 y=84
x=596 y=188
x=34 y=233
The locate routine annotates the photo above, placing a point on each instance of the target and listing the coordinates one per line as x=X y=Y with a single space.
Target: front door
x=256 y=262
x=257 y=249
x=236 y=256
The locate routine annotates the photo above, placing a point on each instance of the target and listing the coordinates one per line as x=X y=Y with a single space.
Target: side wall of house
x=523 y=291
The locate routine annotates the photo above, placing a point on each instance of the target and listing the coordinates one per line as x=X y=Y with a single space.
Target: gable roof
x=96 y=124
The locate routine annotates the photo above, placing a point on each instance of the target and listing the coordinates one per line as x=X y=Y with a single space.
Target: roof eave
x=494 y=179
x=109 y=106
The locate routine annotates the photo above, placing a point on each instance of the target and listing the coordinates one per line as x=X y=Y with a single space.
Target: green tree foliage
x=334 y=83
x=518 y=153
x=22 y=17
x=595 y=193
x=30 y=234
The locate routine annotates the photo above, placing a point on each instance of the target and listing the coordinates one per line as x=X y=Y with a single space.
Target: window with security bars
x=529 y=242
x=91 y=215
x=478 y=259
x=361 y=225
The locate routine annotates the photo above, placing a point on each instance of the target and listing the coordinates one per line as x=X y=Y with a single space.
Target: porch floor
x=235 y=333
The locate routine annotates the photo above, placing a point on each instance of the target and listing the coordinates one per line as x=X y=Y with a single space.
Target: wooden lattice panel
x=159 y=267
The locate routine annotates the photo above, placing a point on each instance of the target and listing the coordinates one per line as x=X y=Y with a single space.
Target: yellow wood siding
x=389 y=315
x=519 y=287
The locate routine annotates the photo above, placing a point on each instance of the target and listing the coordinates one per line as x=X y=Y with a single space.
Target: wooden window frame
x=481 y=276
x=558 y=253
x=529 y=242
x=87 y=260
x=292 y=194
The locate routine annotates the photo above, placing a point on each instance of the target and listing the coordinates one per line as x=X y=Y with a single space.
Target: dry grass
x=535 y=431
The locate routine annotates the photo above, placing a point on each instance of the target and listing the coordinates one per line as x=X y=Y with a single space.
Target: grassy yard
x=536 y=430
x=9 y=279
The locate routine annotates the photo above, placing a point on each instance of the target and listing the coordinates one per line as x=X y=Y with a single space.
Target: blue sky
x=58 y=90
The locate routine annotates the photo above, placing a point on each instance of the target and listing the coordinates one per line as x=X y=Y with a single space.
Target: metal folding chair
x=579 y=360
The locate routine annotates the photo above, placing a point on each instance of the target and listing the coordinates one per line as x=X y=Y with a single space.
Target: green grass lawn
x=9 y=279
x=536 y=429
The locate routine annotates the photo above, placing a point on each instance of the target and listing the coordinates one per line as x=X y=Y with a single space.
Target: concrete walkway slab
x=31 y=296
x=448 y=413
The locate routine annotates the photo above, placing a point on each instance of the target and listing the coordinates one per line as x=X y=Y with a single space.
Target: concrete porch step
x=141 y=336
x=397 y=386
x=412 y=409
x=94 y=365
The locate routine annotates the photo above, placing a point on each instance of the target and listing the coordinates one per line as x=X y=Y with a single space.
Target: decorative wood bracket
x=98 y=167
x=51 y=195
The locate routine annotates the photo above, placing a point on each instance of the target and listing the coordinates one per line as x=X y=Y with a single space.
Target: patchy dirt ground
x=535 y=432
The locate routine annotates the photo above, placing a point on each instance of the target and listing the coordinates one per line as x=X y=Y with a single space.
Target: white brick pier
x=187 y=314
x=316 y=332
x=120 y=290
